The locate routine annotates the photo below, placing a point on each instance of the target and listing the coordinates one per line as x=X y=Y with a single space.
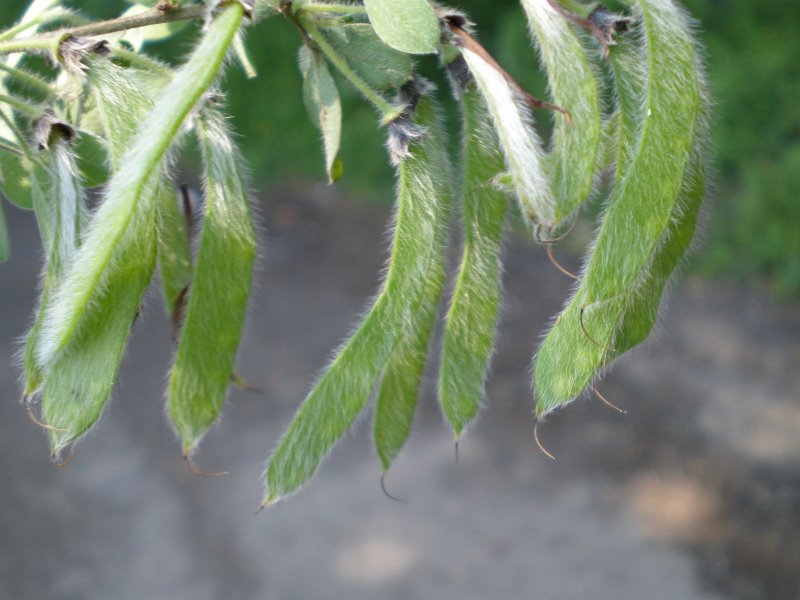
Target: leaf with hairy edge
x=92 y=158
x=410 y=26
x=518 y=139
x=154 y=137
x=380 y=66
x=323 y=105
x=639 y=214
x=472 y=318
x=340 y=395
x=574 y=87
x=174 y=253
x=220 y=288
x=59 y=205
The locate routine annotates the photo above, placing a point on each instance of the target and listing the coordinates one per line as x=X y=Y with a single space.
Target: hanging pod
x=125 y=189
x=471 y=324
x=642 y=206
x=219 y=290
x=423 y=191
x=573 y=86
x=79 y=381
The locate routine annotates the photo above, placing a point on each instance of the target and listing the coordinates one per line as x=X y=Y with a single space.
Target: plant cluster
x=628 y=98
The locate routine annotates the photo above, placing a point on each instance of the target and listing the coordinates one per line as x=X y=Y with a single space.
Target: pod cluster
x=630 y=117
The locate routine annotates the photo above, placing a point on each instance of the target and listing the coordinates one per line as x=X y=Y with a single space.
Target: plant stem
x=154 y=16
x=23 y=107
x=388 y=111
x=348 y=9
x=31 y=81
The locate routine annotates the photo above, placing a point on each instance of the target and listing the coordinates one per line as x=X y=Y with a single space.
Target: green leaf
x=16 y=179
x=380 y=66
x=573 y=87
x=346 y=386
x=323 y=104
x=5 y=244
x=472 y=318
x=155 y=135
x=219 y=291
x=641 y=209
x=409 y=26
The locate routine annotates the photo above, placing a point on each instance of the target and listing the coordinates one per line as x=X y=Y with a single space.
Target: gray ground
x=695 y=494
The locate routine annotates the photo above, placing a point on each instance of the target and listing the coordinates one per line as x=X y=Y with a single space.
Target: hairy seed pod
x=518 y=139
x=154 y=136
x=472 y=317
x=345 y=387
x=574 y=87
x=59 y=206
x=174 y=251
x=79 y=381
x=639 y=213
x=220 y=288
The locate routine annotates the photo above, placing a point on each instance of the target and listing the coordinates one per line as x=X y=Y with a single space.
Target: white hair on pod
x=518 y=139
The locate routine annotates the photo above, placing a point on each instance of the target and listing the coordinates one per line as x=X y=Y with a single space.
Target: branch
x=163 y=13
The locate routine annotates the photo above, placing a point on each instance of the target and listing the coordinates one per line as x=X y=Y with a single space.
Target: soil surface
x=695 y=494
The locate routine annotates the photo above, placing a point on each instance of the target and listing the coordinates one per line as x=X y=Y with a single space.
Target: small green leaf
x=323 y=104
x=410 y=26
x=220 y=289
x=381 y=67
x=344 y=389
x=472 y=318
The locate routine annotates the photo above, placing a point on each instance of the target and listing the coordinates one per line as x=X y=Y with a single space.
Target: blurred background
x=694 y=494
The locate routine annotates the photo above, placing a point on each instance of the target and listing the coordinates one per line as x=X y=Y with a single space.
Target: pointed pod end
x=197 y=471
x=539 y=445
x=386 y=492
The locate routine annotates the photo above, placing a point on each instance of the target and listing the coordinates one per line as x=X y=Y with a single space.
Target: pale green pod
x=472 y=317
x=639 y=213
x=58 y=202
x=345 y=387
x=400 y=385
x=154 y=136
x=220 y=288
x=174 y=252
x=79 y=382
x=574 y=87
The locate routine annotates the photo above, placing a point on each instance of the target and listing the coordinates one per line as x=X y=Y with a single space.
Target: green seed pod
x=174 y=253
x=125 y=189
x=640 y=211
x=346 y=386
x=59 y=206
x=472 y=317
x=574 y=87
x=80 y=379
x=219 y=290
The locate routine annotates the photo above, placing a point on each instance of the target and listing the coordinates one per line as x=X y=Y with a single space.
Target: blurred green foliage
x=754 y=66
